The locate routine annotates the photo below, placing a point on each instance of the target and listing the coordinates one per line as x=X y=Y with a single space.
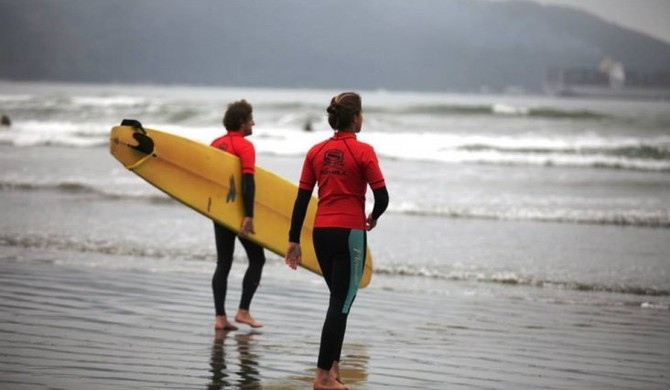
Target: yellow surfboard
x=209 y=181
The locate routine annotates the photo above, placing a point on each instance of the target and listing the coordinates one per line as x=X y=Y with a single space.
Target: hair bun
x=342 y=110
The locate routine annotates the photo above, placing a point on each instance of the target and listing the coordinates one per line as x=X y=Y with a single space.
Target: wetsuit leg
x=252 y=277
x=225 y=247
x=341 y=256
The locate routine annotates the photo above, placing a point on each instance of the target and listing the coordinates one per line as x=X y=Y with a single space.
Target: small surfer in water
x=343 y=167
x=238 y=121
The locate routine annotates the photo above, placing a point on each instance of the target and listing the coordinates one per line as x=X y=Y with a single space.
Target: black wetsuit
x=225 y=245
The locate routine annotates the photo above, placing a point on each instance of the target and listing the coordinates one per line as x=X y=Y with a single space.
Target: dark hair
x=236 y=114
x=342 y=110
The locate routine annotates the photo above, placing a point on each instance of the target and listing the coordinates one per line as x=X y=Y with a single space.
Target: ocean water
x=536 y=197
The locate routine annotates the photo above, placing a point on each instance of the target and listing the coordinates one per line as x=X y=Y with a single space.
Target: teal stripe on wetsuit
x=357 y=259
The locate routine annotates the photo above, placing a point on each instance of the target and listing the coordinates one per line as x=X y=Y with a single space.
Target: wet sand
x=67 y=327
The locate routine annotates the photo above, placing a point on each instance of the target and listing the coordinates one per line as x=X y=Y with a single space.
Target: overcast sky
x=651 y=17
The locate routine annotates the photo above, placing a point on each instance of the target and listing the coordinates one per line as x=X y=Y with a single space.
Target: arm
x=294 y=252
x=381 y=203
x=248 y=195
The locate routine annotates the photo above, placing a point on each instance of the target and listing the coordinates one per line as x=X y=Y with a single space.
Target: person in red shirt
x=343 y=168
x=238 y=121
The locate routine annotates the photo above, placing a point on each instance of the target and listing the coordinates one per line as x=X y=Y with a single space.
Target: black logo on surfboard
x=232 y=191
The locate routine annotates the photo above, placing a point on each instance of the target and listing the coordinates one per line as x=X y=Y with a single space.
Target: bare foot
x=221 y=322
x=244 y=317
x=325 y=381
x=335 y=372
x=335 y=385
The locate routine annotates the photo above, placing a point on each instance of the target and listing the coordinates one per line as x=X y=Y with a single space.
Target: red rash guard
x=235 y=143
x=343 y=167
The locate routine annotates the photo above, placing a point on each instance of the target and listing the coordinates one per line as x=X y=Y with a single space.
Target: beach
x=526 y=246
x=66 y=327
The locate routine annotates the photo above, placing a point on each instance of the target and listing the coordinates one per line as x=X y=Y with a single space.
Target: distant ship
x=610 y=80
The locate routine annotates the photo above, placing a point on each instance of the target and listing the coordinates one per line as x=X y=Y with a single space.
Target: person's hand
x=370 y=223
x=247 y=227
x=293 y=255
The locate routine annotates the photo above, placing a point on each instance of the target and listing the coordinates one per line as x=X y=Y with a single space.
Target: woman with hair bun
x=343 y=168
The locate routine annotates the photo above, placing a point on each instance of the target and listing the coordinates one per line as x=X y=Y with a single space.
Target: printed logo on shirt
x=333 y=157
x=333 y=161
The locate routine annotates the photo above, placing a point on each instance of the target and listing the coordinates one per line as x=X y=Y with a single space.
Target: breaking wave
x=513 y=279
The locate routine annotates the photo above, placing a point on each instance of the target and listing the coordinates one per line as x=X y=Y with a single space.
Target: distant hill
x=458 y=45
